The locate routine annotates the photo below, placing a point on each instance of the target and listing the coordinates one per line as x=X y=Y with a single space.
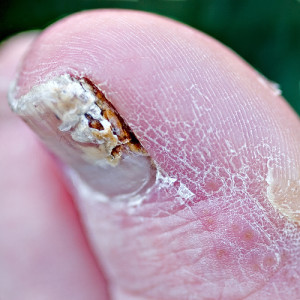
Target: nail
x=78 y=123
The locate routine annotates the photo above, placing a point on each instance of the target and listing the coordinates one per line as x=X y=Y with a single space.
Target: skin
x=225 y=228
x=44 y=253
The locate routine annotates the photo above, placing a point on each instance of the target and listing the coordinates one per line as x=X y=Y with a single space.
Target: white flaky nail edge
x=57 y=111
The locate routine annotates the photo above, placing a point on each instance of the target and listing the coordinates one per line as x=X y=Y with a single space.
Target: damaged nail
x=78 y=123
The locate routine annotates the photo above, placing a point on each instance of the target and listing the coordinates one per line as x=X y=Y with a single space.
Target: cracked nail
x=78 y=123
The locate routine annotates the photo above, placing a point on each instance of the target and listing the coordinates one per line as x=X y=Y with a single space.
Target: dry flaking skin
x=76 y=121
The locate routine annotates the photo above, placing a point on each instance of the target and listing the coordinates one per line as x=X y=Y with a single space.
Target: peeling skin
x=96 y=136
x=208 y=229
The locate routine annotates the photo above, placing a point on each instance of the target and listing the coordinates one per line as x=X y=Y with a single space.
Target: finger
x=221 y=216
x=43 y=253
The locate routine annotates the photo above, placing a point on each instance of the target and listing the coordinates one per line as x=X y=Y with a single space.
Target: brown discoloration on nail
x=81 y=127
x=116 y=151
x=127 y=141
x=93 y=123
x=135 y=145
x=88 y=121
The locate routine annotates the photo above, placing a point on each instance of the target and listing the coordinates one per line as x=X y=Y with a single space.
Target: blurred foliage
x=266 y=33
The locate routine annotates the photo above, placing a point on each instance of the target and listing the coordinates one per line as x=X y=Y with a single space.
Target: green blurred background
x=266 y=33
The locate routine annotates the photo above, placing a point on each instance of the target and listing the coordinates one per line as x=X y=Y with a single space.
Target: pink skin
x=209 y=121
x=44 y=253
